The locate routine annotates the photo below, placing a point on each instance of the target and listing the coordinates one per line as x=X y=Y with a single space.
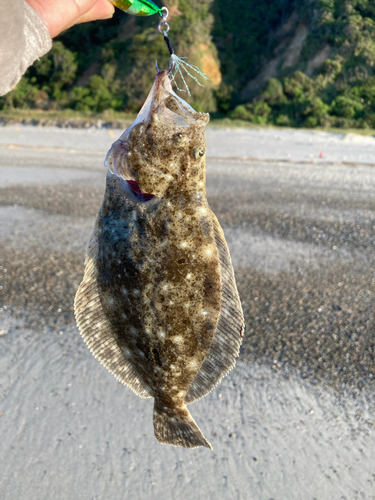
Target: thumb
x=59 y=15
x=103 y=9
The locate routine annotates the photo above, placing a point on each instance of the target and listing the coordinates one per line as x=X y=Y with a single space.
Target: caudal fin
x=177 y=427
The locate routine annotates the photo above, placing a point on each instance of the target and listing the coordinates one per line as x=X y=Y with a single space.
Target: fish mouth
x=117 y=163
x=163 y=105
x=136 y=190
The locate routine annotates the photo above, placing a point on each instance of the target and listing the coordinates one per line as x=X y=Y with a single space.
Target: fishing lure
x=176 y=64
x=137 y=7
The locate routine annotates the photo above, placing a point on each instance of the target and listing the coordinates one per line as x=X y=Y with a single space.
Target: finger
x=59 y=15
x=103 y=9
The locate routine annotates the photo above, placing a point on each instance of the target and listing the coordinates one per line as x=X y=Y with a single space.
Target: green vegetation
x=341 y=93
x=110 y=65
x=326 y=100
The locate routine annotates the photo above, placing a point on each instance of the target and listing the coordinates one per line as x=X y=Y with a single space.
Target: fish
x=158 y=304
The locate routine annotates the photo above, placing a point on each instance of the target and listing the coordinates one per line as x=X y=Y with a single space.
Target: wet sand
x=294 y=420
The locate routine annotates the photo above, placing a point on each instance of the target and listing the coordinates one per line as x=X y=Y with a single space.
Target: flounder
x=158 y=304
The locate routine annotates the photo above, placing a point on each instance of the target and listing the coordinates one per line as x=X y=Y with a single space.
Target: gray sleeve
x=24 y=38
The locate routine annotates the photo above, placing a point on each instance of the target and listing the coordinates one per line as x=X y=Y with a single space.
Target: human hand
x=59 y=15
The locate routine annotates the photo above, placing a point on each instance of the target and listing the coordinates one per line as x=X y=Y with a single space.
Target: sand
x=293 y=420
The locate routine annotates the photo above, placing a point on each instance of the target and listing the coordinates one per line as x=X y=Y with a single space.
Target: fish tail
x=177 y=427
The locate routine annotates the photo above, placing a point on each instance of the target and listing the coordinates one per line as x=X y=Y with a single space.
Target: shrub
x=55 y=71
x=311 y=122
x=317 y=110
x=241 y=112
x=332 y=68
x=223 y=96
x=274 y=92
x=23 y=96
x=261 y=112
x=298 y=85
x=371 y=120
x=345 y=107
x=283 y=121
x=96 y=96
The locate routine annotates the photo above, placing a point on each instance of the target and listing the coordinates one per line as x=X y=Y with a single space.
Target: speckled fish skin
x=158 y=304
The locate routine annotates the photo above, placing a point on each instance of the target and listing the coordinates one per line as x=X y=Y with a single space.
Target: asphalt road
x=294 y=420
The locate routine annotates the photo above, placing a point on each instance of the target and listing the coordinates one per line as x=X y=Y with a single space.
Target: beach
x=293 y=420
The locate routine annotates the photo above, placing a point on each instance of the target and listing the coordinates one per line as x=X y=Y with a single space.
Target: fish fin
x=177 y=427
x=222 y=354
x=96 y=329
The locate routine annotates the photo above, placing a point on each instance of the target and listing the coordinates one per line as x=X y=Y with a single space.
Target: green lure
x=137 y=7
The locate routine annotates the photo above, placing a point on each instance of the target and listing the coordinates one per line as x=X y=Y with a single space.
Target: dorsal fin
x=222 y=354
x=96 y=330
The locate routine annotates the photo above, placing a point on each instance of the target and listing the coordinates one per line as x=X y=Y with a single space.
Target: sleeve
x=24 y=38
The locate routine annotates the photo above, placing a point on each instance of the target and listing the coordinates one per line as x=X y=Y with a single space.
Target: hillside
x=284 y=62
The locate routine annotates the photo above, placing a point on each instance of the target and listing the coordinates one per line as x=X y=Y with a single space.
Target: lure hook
x=177 y=64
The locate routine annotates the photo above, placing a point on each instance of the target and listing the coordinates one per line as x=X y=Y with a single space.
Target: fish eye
x=198 y=153
x=180 y=138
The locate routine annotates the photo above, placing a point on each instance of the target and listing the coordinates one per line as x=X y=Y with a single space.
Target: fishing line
x=176 y=64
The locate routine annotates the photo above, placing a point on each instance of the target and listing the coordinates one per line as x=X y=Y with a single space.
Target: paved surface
x=294 y=420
